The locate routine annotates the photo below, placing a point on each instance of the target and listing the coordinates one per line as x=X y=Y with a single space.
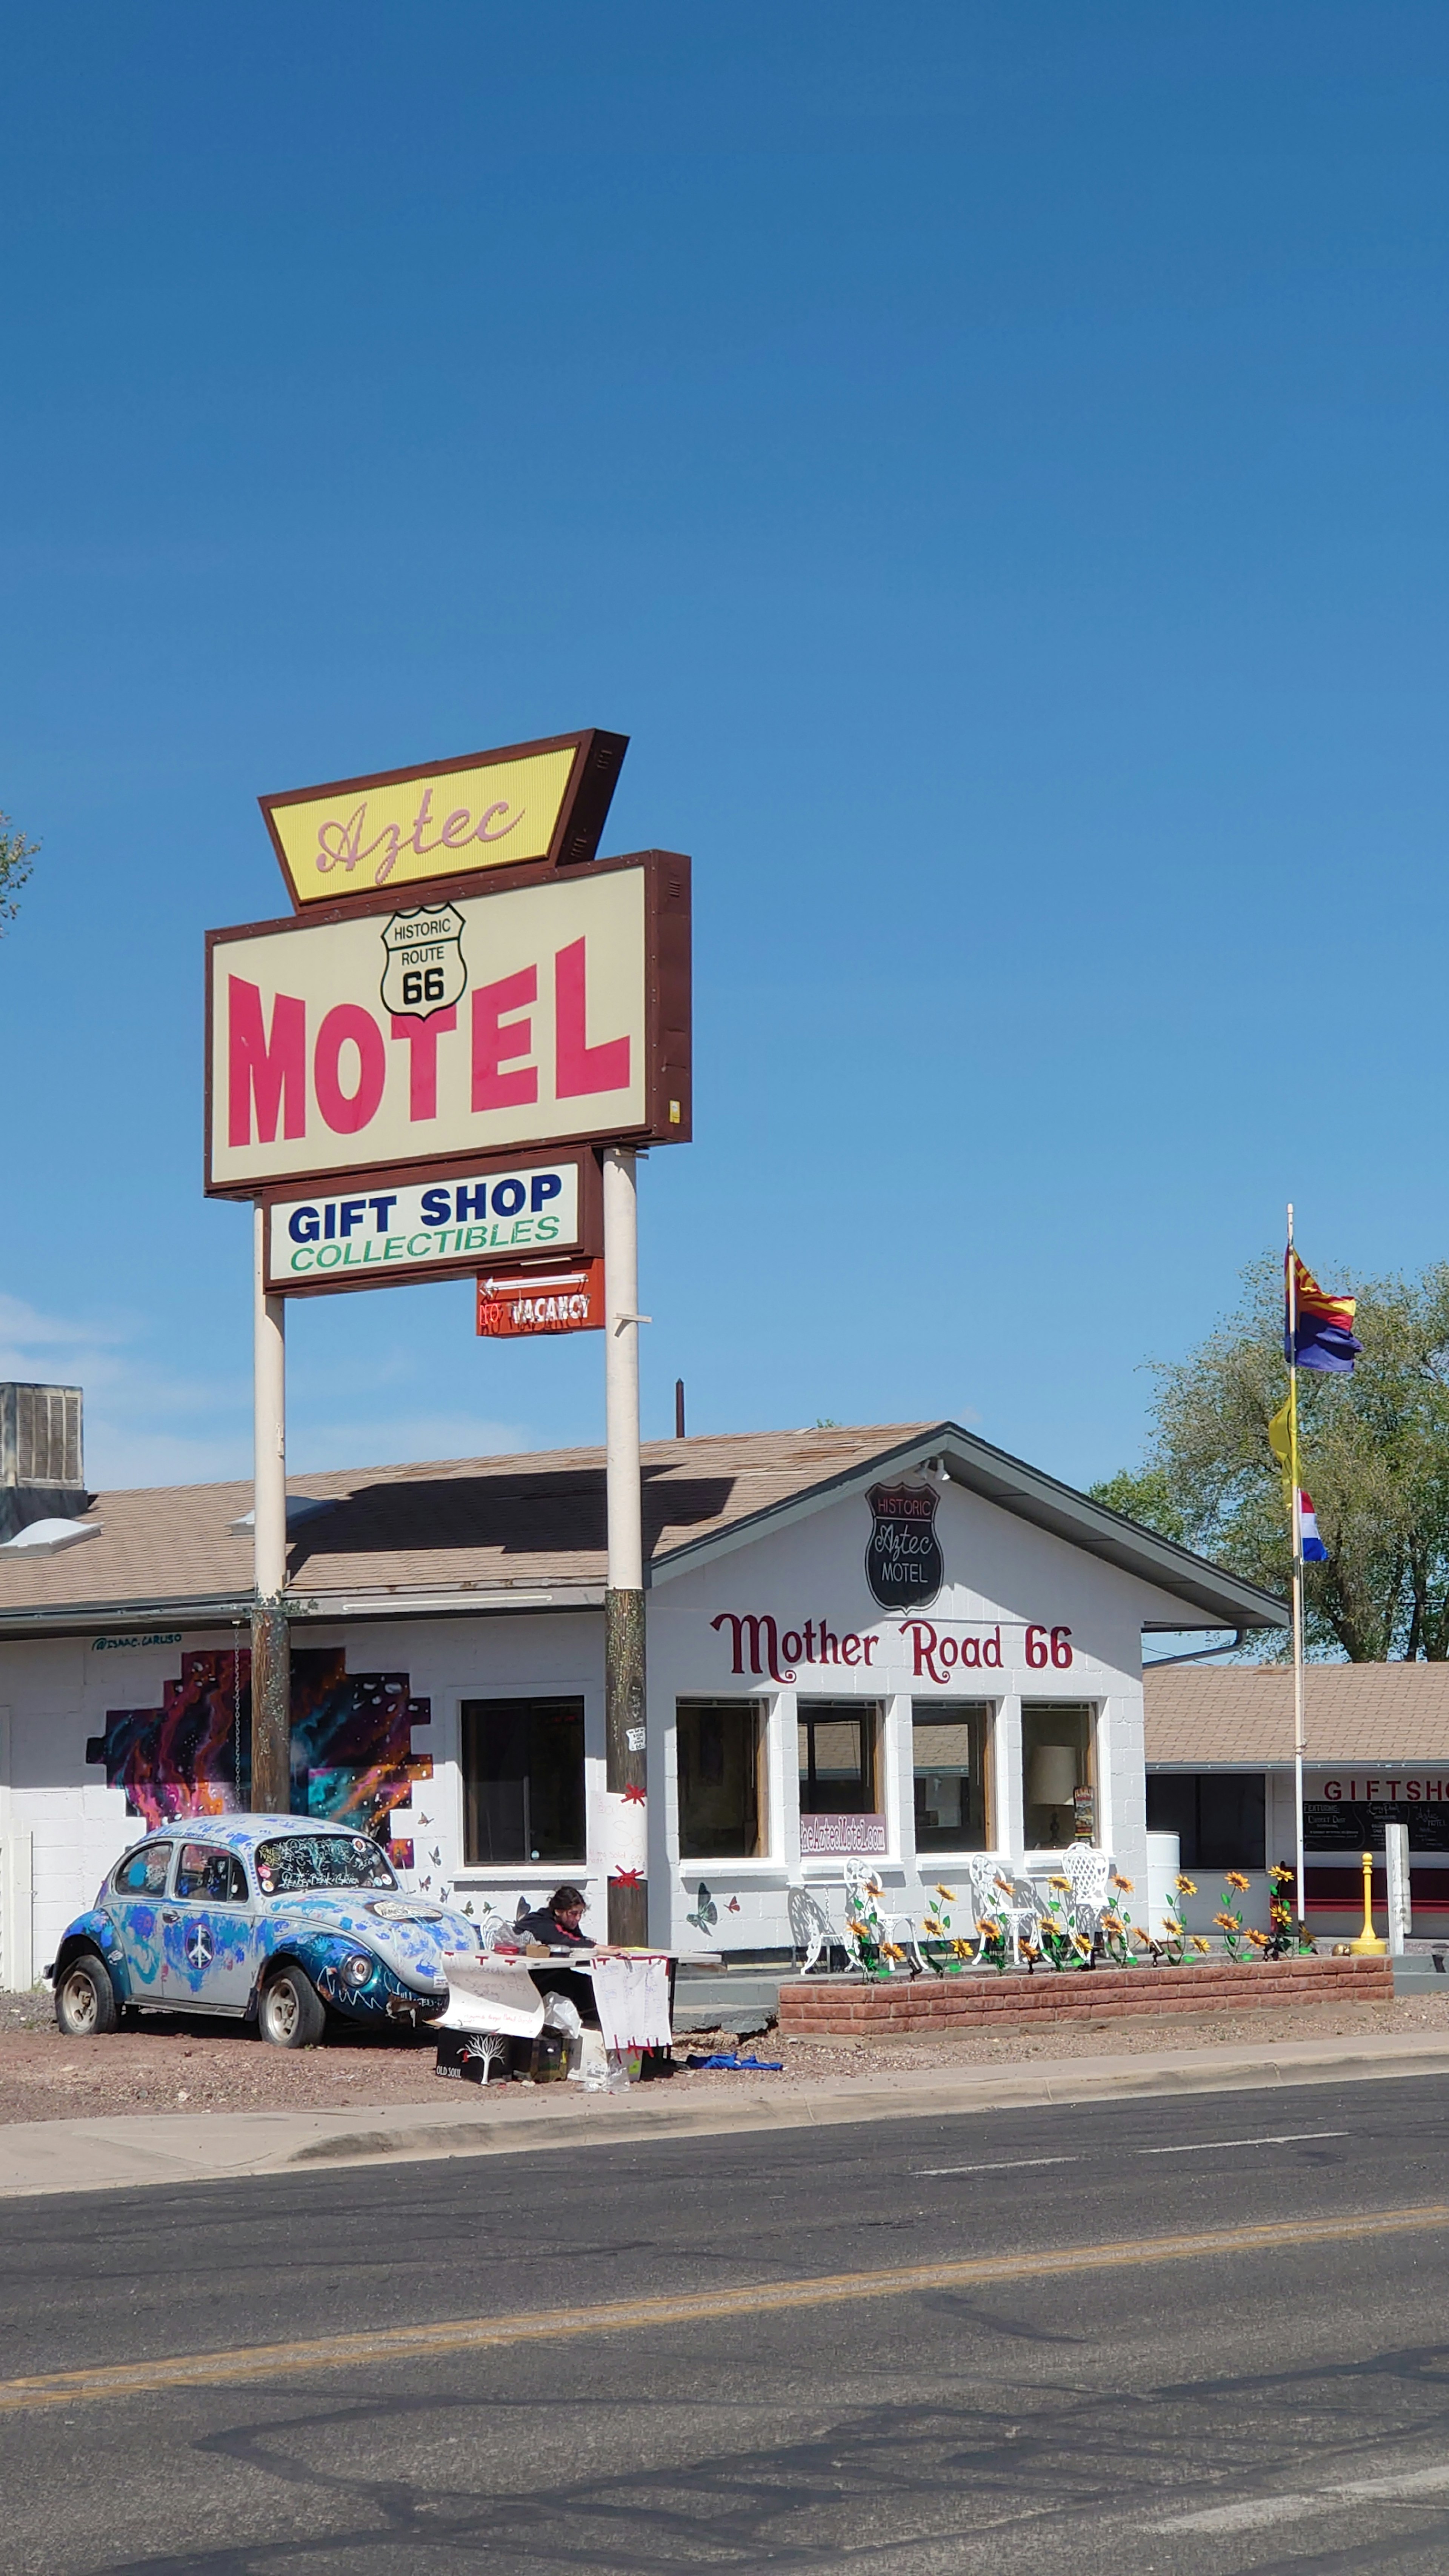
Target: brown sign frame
x=598 y=759
x=667 y=1007
x=586 y=1245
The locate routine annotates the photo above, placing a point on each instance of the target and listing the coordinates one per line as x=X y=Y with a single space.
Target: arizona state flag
x=1320 y=1334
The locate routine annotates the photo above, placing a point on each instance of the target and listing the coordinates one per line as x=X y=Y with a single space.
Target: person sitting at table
x=557 y=1922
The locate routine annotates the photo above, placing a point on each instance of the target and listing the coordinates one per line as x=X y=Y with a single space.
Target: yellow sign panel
x=542 y=1013
x=542 y=801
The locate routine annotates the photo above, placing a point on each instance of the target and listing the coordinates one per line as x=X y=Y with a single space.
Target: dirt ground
x=177 y=2065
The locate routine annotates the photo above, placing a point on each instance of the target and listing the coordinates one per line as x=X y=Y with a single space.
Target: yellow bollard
x=1368 y=1942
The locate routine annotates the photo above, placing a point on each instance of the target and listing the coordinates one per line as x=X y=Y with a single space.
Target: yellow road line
x=631 y=2316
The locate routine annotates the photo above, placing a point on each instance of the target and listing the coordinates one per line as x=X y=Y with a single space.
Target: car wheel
x=290 y=2013
x=85 y=2000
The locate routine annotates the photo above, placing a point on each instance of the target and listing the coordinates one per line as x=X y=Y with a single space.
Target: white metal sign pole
x=271 y=1650
x=625 y=1853
x=1296 y=1526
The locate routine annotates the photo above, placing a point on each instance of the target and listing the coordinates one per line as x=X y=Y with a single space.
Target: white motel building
x=894 y=1642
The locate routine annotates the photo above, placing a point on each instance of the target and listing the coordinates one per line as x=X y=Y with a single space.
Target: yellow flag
x=1280 y=1441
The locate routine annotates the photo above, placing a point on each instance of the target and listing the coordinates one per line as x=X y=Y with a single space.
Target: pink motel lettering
x=758 y=1644
x=524 y=1016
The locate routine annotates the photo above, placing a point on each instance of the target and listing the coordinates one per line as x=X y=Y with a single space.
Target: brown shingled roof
x=478 y=1525
x=1196 y=1715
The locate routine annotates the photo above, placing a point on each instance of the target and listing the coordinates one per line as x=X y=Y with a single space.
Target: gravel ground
x=178 y=2065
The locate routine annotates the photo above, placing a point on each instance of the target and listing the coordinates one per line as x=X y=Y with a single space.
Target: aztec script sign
x=534 y=803
x=417 y=1229
x=524 y=1016
x=568 y=1297
x=903 y=1562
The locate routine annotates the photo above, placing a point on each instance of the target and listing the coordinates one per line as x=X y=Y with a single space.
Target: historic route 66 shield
x=425 y=970
x=903 y=1562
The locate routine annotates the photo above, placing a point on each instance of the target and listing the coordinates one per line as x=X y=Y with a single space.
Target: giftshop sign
x=1347 y=1810
x=761 y=1645
x=534 y=803
x=362 y=1236
x=397 y=1038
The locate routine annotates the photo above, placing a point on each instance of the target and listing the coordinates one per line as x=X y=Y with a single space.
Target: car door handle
x=169 y=1914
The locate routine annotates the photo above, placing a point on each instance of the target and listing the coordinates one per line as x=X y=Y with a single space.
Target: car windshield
x=296 y=1862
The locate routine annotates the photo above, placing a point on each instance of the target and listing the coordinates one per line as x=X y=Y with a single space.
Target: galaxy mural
x=352 y=1753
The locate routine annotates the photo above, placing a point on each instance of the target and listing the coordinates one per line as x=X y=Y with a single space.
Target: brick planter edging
x=855 y=2007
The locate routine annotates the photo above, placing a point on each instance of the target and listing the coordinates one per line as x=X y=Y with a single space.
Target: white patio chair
x=998 y=1887
x=863 y=1890
x=1091 y=1871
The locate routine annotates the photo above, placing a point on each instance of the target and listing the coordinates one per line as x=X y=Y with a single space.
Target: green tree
x=16 y=855
x=1373 y=1452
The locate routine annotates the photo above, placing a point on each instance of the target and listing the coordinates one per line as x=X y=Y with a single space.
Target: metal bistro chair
x=1091 y=1872
x=1017 y=1901
x=863 y=1887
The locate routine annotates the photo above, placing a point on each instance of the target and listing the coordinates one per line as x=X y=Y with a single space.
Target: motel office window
x=719 y=1745
x=1219 y=1817
x=839 y=1753
x=948 y=1755
x=1056 y=1763
x=523 y=1782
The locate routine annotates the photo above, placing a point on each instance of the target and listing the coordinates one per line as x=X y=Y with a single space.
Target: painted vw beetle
x=277 y=1919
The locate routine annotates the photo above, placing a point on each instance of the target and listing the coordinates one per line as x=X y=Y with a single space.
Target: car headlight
x=357 y=1969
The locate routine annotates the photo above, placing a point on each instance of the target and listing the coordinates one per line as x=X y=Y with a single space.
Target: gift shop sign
x=534 y=803
x=397 y=1038
x=762 y=1645
x=421 y=1229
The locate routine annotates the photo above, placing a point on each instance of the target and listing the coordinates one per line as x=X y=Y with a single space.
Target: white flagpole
x=1297 y=1516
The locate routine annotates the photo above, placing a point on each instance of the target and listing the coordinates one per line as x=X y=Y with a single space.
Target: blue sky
x=989 y=459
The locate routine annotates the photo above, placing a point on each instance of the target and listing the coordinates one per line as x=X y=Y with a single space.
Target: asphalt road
x=1162 y=2412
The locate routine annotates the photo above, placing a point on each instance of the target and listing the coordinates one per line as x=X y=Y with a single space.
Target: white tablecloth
x=631 y=1990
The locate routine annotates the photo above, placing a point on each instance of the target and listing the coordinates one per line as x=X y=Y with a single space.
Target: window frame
x=476 y=1863
x=1060 y=1708
x=871 y=1714
x=1190 y=1859
x=758 y=1709
x=158 y=1843
x=987 y=1711
x=220 y=1851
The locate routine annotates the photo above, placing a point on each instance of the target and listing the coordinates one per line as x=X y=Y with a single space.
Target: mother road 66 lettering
x=758 y=1643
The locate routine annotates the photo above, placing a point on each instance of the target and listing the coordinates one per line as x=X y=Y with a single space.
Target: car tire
x=85 y=1999
x=290 y=2012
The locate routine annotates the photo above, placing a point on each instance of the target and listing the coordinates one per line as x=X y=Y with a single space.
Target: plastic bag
x=725 y=2061
x=562 y=2014
x=600 y=2069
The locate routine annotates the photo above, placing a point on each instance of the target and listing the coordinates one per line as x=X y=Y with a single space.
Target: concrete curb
x=49 y=2156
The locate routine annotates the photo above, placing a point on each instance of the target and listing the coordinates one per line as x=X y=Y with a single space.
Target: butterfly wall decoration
x=706 y=1913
